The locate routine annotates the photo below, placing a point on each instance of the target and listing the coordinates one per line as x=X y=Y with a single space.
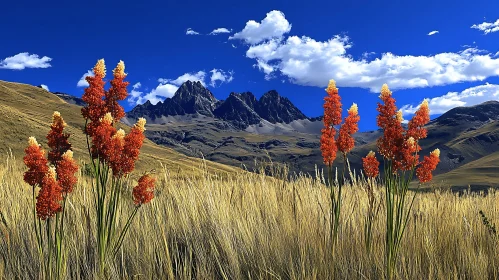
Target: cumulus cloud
x=24 y=60
x=221 y=76
x=82 y=82
x=273 y=26
x=306 y=61
x=433 y=32
x=487 y=27
x=468 y=97
x=167 y=87
x=189 y=31
x=220 y=31
x=45 y=87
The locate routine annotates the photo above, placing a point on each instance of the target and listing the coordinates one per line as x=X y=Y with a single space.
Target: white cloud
x=220 y=75
x=468 y=97
x=220 y=31
x=82 y=82
x=487 y=27
x=433 y=32
x=168 y=87
x=45 y=87
x=193 y=77
x=189 y=31
x=273 y=26
x=24 y=60
x=308 y=62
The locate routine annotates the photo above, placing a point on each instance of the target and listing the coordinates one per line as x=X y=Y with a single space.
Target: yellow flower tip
x=100 y=68
x=107 y=118
x=119 y=71
x=371 y=154
x=331 y=86
x=354 y=110
x=120 y=134
x=68 y=155
x=400 y=117
x=32 y=141
x=385 y=91
x=51 y=173
x=436 y=153
x=57 y=118
x=141 y=123
x=425 y=103
x=411 y=141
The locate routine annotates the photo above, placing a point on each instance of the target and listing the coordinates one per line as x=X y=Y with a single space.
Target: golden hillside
x=26 y=110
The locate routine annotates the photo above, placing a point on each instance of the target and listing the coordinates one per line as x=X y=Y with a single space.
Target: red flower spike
x=370 y=165
x=102 y=137
x=428 y=165
x=36 y=162
x=116 y=146
x=131 y=149
x=419 y=120
x=390 y=121
x=66 y=170
x=57 y=140
x=117 y=92
x=332 y=106
x=144 y=191
x=49 y=197
x=93 y=95
x=345 y=140
x=328 y=145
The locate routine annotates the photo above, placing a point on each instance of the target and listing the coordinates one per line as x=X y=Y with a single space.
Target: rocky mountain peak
x=276 y=108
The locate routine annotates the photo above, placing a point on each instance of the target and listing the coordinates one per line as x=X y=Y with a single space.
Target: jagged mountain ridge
x=240 y=109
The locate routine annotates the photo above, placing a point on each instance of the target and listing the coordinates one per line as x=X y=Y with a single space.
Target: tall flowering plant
x=399 y=148
x=330 y=146
x=113 y=155
x=55 y=179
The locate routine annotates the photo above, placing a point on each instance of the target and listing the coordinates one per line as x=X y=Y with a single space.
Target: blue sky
x=294 y=47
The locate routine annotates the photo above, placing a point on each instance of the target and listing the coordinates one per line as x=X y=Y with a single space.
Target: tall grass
x=251 y=226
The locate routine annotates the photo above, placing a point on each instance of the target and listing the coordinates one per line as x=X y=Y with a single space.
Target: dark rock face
x=239 y=109
x=479 y=113
x=190 y=98
x=275 y=108
x=70 y=99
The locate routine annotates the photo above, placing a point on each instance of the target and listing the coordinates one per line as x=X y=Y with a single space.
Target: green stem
x=125 y=230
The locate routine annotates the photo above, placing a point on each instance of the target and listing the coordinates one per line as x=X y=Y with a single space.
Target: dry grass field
x=251 y=226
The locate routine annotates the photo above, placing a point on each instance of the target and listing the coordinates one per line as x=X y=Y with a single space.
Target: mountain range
x=241 y=129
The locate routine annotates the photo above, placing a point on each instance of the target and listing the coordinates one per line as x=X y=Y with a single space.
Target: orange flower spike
x=390 y=121
x=345 y=140
x=144 y=191
x=115 y=152
x=102 y=136
x=133 y=143
x=66 y=170
x=36 y=162
x=419 y=120
x=407 y=157
x=57 y=140
x=370 y=165
x=332 y=105
x=428 y=165
x=49 y=197
x=93 y=95
x=328 y=145
x=117 y=92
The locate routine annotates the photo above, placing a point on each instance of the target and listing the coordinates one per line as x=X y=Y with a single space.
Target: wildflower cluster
x=399 y=148
x=112 y=152
x=55 y=177
x=331 y=145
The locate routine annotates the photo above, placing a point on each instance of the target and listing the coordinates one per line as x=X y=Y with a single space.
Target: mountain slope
x=26 y=110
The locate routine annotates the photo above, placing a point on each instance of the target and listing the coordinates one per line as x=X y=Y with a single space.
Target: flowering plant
x=113 y=155
x=55 y=179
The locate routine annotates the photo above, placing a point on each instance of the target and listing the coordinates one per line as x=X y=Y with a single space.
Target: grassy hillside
x=245 y=227
x=26 y=111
